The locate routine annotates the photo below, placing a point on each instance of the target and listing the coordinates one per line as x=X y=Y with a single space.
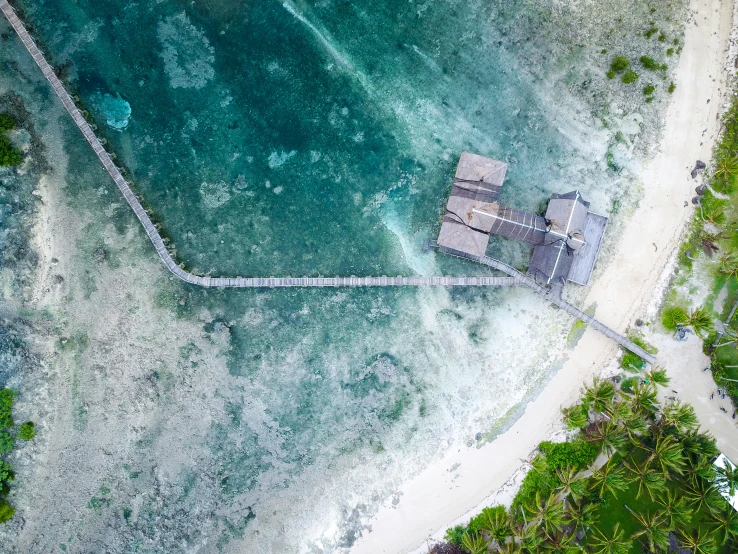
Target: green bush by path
x=619 y=64
x=6 y=442
x=6 y=408
x=8 y=154
x=6 y=511
x=649 y=90
x=27 y=431
x=629 y=77
x=7 y=122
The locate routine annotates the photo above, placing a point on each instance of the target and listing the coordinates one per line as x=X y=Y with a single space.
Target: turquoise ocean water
x=302 y=138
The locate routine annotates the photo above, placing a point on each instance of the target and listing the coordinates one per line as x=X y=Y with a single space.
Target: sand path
x=438 y=497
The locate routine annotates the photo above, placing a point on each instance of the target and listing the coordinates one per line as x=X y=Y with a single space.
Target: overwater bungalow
x=566 y=238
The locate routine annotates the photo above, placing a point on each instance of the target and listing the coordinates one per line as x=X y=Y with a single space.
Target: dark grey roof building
x=567 y=239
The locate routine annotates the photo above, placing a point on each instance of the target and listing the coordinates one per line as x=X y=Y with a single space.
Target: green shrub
x=627 y=384
x=7 y=122
x=662 y=37
x=576 y=454
x=6 y=472
x=27 y=431
x=6 y=442
x=6 y=408
x=648 y=90
x=632 y=362
x=652 y=31
x=477 y=523
x=454 y=535
x=8 y=154
x=619 y=64
x=672 y=88
x=6 y=511
x=629 y=77
x=669 y=51
x=649 y=63
x=673 y=317
x=610 y=74
x=576 y=416
x=649 y=99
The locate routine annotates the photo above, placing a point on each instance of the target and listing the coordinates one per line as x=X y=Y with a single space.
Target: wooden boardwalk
x=155 y=237
x=514 y=276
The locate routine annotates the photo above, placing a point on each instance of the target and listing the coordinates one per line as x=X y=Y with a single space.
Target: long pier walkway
x=514 y=277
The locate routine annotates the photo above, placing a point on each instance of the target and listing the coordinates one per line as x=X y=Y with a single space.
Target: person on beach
x=712 y=396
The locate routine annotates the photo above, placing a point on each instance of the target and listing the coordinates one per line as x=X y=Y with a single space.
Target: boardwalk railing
x=155 y=237
x=514 y=276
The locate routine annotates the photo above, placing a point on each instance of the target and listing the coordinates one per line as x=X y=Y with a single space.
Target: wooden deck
x=514 y=276
x=558 y=301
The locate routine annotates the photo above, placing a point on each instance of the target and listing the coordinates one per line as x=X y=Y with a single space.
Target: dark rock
x=681 y=333
x=478 y=436
x=639 y=322
x=701 y=190
x=700 y=165
x=99 y=255
x=696 y=200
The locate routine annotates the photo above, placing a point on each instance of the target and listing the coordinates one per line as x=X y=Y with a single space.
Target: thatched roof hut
x=567 y=239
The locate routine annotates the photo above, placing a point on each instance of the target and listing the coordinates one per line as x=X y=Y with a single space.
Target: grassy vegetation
x=9 y=155
x=712 y=244
x=648 y=90
x=656 y=484
x=629 y=77
x=8 y=437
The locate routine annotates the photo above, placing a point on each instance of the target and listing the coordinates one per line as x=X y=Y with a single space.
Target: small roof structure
x=567 y=239
x=476 y=190
x=567 y=217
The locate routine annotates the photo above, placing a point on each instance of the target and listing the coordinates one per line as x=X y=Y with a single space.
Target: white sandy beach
x=442 y=496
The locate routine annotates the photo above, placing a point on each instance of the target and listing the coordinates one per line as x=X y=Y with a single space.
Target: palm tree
x=653 y=530
x=614 y=543
x=700 y=449
x=635 y=428
x=618 y=411
x=474 y=543
x=527 y=538
x=576 y=416
x=676 y=512
x=726 y=166
x=658 y=376
x=547 y=512
x=727 y=478
x=609 y=478
x=702 y=494
x=643 y=399
x=701 y=321
x=610 y=437
x=560 y=543
x=572 y=484
x=724 y=523
x=582 y=516
x=599 y=394
x=699 y=542
x=680 y=416
x=729 y=264
x=666 y=454
x=511 y=546
x=649 y=480
x=496 y=524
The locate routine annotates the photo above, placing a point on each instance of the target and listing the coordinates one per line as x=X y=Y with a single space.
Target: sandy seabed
x=460 y=484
